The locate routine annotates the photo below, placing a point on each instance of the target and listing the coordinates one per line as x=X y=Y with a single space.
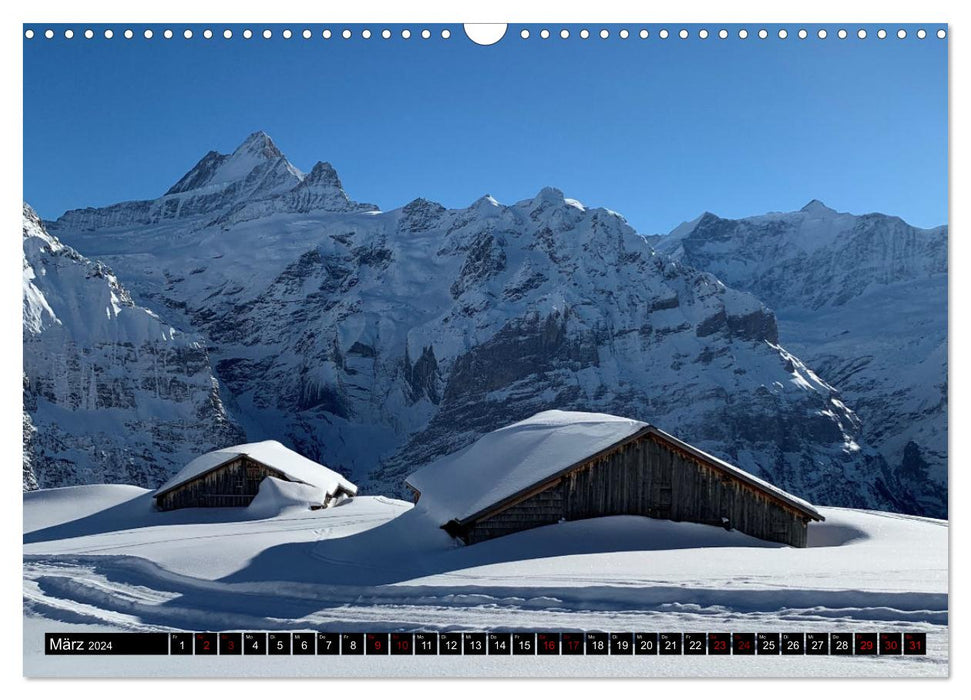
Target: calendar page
x=508 y=350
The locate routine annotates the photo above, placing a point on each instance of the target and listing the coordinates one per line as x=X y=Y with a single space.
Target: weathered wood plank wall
x=647 y=477
x=233 y=485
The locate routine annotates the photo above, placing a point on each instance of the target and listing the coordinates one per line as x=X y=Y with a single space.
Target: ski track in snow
x=110 y=579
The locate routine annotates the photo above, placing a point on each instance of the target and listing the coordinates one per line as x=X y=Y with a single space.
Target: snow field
x=377 y=564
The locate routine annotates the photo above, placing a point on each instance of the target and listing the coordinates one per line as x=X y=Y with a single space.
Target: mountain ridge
x=863 y=298
x=111 y=392
x=374 y=341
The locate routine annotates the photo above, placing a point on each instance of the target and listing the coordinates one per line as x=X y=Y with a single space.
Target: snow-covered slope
x=861 y=299
x=111 y=391
x=376 y=563
x=376 y=341
x=376 y=540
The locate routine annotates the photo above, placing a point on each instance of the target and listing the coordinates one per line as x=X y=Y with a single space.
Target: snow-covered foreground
x=100 y=557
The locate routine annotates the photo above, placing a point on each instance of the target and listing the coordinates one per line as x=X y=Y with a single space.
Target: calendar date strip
x=487 y=643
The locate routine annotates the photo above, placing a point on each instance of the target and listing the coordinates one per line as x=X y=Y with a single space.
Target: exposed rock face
x=30 y=456
x=812 y=258
x=374 y=342
x=111 y=392
x=253 y=181
x=322 y=190
x=863 y=300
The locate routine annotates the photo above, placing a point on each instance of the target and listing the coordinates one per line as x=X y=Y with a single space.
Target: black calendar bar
x=548 y=643
x=402 y=644
x=500 y=643
x=915 y=643
x=817 y=644
x=230 y=643
x=645 y=643
x=506 y=644
x=426 y=644
x=107 y=643
x=303 y=643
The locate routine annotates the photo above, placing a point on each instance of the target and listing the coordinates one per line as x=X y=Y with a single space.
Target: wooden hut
x=231 y=477
x=561 y=465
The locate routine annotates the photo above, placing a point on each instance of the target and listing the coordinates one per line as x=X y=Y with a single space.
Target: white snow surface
x=376 y=541
x=277 y=496
x=102 y=556
x=272 y=454
x=508 y=460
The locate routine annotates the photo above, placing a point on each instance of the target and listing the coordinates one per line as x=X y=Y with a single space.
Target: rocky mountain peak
x=33 y=228
x=420 y=214
x=487 y=201
x=704 y=221
x=32 y=222
x=256 y=162
x=321 y=190
x=323 y=173
x=549 y=195
x=816 y=207
x=259 y=144
x=253 y=181
x=200 y=173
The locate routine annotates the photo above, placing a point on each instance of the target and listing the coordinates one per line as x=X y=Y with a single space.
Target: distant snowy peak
x=253 y=181
x=808 y=228
x=202 y=174
x=256 y=168
x=65 y=292
x=321 y=190
x=34 y=229
x=258 y=146
x=218 y=169
x=863 y=300
x=817 y=208
x=323 y=175
x=809 y=258
x=55 y=276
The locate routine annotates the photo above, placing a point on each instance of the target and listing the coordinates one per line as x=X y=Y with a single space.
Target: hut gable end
x=231 y=477
x=232 y=484
x=648 y=473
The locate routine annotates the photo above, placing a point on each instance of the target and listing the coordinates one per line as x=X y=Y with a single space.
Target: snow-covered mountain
x=112 y=393
x=374 y=341
x=253 y=181
x=863 y=300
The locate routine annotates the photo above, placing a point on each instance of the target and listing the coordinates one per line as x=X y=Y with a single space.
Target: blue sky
x=659 y=130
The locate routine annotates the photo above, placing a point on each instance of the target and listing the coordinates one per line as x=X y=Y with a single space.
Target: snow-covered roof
x=510 y=460
x=506 y=461
x=271 y=453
